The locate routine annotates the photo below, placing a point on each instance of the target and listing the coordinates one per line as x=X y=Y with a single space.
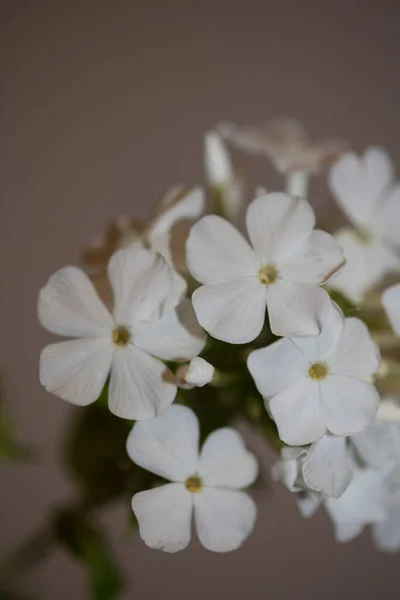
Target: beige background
x=104 y=108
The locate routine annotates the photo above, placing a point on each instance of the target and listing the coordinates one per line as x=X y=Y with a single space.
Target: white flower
x=365 y=190
x=165 y=233
x=122 y=344
x=316 y=385
x=363 y=503
x=323 y=467
x=283 y=271
x=379 y=447
x=222 y=177
x=286 y=143
x=391 y=304
x=206 y=484
x=197 y=373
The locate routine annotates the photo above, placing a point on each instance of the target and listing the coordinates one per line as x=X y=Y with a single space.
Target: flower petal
x=386 y=534
x=164 y=516
x=366 y=264
x=76 y=370
x=319 y=347
x=232 y=311
x=216 y=251
x=326 y=467
x=167 y=445
x=141 y=282
x=390 y=216
x=141 y=386
x=296 y=309
x=277 y=366
x=298 y=414
x=358 y=183
x=278 y=225
x=176 y=336
x=224 y=518
x=355 y=353
x=187 y=206
x=361 y=504
x=391 y=304
x=217 y=163
x=316 y=261
x=69 y=305
x=349 y=404
x=225 y=461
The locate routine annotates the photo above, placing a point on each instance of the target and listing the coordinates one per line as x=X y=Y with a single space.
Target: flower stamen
x=318 y=371
x=194 y=483
x=268 y=274
x=121 y=336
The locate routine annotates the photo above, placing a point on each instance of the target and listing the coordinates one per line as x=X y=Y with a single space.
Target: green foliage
x=81 y=539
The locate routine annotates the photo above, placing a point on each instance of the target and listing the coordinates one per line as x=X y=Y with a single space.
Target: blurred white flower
x=206 y=484
x=285 y=142
x=165 y=233
x=315 y=385
x=197 y=373
x=123 y=344
x=225 y=182
x=363 y=503
x=323 y=467
x=282 y=271
x=365 y=190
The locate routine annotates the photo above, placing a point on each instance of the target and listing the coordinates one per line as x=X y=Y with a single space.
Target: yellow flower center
x=194 y=483
x=268 y=274
x=318 y=371
x=121 y=336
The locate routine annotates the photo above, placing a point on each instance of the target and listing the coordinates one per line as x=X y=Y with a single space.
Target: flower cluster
x=159 y=320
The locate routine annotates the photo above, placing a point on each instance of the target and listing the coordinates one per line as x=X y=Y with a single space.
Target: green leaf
x=78 y=535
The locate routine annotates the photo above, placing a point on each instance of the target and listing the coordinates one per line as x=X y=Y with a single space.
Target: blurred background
x=104 y=106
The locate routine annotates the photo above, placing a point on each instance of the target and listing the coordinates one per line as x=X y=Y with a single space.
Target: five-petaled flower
x=123 y=344
x=207 y=484
x=318 y=384
x=283 y=269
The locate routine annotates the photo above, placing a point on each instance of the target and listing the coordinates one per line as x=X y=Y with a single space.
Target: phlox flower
x=281 y=270
x=205 y=485
x=315 y=385
x=123 y=344
x=365 y=190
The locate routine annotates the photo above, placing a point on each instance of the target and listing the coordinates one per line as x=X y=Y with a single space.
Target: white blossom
x=123 y=344
x=165 y=233
x=197 y=373
x=315 y=385
x=206 y=485
x=324 y=467
x=365 y=190
x=283 y=269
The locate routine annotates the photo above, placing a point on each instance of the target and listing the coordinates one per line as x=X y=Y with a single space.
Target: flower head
x=282 y=270
x=122 y=344
x=206 y=484
x=315 y=385
x=365 y=190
